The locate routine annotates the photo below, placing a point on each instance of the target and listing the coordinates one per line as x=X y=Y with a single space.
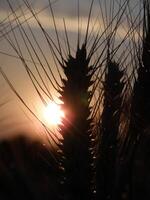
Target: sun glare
x=53 y=114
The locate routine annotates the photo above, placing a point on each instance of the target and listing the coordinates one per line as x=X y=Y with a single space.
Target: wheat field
x=90 y=59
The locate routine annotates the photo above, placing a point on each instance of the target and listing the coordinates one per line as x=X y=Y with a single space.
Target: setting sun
x=53 y=114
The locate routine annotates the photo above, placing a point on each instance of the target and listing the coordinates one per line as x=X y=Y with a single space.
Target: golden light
x=53 y=114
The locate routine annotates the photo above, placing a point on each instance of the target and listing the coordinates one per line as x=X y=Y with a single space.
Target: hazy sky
x=12 y=114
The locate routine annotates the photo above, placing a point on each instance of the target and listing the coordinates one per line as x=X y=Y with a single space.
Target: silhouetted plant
x=140 y=107
x=76 y=129
x=110 y=121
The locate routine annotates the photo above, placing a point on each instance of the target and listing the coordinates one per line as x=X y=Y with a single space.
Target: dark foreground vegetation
x=27 y=171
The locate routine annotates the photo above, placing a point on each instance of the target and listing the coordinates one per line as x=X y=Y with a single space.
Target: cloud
x=65 y=9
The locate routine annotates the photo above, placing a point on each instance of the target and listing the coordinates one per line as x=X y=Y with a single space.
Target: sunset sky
x=14 y=117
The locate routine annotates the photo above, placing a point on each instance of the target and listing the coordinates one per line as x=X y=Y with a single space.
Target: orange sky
x=12 y=114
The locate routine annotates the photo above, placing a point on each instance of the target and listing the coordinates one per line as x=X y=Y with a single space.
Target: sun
x=53 y=114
